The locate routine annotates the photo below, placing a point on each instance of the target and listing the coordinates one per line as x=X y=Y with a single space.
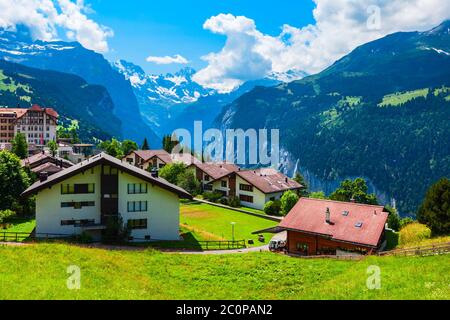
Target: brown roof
x=103 y=158
x=308 y=215
x=146 y=155
x=18 y=111
x=40 y=158
x=268 y=180
x=48 y=167
x=217 y=170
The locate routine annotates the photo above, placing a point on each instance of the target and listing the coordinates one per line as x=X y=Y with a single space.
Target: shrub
x=272 y=208
x=212 y=196
x=288 y=201
x=405 y=221
x=188 y=181
x=414 y=233
x=172 y=172
x=4 y=214
x=234 y=202
x=224 y=201
x=393 y=219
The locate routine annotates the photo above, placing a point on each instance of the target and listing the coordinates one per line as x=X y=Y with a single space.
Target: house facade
x=146 y=159
x=84 y=197
x=255 y=188
x=216 y=177
x=325 y=227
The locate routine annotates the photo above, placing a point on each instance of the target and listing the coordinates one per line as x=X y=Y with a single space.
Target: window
x=245 y=187
x=137 y=188
x=77 y=205
x=110 y=171
x=77 y=223
x=77 y=188
x=208 y=187
x=206 y=177
x=358 y=224
x=137 y=206
x=137 y=223
x=246 y=198
x=223 y=183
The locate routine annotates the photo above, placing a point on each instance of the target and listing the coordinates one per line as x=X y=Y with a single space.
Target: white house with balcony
x=83 y=197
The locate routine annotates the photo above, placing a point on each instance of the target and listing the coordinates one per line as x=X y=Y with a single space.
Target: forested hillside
x=70 y=95
x=381 y=112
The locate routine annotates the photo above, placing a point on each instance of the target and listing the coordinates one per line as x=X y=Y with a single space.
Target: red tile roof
x=22 y=111
x=217 y=170
x=308 y=215
x=268 y=180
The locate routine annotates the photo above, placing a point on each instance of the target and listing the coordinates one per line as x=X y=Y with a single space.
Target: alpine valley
x=381 y=112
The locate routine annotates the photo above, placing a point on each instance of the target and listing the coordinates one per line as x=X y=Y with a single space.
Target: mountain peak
x=442 y=29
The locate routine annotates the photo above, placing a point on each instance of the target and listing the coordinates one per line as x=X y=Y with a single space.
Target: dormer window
x=358 y=225
x=345 y=213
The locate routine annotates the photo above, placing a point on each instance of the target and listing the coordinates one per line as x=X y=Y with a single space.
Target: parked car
x=277 y=245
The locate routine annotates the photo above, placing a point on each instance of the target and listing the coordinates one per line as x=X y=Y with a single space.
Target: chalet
x=255 y=188
x=84 y=197
x=146 y=159
x=216 y=177
x=45 y=163
x=325 y=227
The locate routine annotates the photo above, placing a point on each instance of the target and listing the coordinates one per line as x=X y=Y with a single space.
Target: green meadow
x=39 y=271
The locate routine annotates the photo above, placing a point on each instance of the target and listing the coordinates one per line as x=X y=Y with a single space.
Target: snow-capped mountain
x=174 y=100
x=71 y=57
x=163 y=89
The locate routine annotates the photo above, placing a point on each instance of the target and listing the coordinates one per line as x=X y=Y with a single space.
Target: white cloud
x=168 y=60
x=45 y=17
x=341 y=26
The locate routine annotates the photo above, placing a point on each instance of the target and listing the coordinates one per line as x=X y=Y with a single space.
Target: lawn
x=19 y=225
x=214 y=223
x=40 y=272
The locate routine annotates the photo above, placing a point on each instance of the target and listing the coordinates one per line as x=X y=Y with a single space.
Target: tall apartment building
x=36 y=123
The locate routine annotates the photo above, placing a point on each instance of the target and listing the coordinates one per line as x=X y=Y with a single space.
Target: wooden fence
x=201 y=245
x=433 y=249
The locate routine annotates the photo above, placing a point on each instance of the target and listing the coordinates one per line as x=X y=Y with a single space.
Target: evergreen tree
x=20 y=146
x=145 y=145
x=435 y=209
x=303 y=192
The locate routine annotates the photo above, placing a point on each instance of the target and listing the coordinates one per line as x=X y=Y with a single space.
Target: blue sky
x=228 y=42
x=159 y=28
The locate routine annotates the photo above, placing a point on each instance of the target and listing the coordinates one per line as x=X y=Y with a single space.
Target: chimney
x=43 y=176
x=286 y=179
x=154 y=173
x=328 y=216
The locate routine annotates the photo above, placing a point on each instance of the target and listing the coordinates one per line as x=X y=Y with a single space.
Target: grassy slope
x=214 y=223
x=39 y=272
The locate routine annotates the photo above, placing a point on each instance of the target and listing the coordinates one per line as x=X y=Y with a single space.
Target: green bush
x=405 y=221
x=234 y=202
x=224 y=201
x=4 y=214
x=414 y=233
x=272 y=208
x=288 y=201
x=212 y=196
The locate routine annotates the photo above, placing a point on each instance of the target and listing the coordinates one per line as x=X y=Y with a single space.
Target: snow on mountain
x=164 y=89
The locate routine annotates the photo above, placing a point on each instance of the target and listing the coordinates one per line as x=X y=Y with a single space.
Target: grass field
x=19 y=225
x=213 y=223
x=40 y=272
x=397 y=99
